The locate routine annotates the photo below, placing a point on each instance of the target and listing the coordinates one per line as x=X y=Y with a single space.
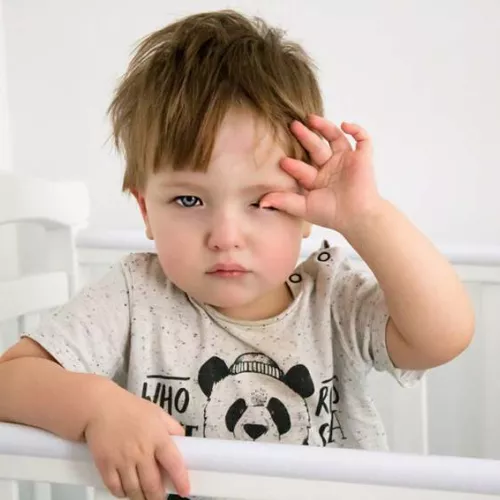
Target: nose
x=226 y=233
x=255 y=430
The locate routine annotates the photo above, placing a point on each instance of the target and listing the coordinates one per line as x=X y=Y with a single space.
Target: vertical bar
x=9 y=490
x=424 y=417
x=42 y=491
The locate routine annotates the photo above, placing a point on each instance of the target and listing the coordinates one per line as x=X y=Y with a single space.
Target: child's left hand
x=339 y=185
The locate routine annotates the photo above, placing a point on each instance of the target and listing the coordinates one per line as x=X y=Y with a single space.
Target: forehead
x=243 y=133
x=246 y=153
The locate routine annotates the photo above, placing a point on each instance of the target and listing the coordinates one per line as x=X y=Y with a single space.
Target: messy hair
x=184 y=78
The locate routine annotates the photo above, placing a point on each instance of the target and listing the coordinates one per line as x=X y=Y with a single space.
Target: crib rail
x=259 y=471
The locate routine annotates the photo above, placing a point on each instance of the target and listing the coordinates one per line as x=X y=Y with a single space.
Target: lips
x=227 y=268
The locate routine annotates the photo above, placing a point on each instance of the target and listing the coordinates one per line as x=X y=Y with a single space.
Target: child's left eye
x=257 y=205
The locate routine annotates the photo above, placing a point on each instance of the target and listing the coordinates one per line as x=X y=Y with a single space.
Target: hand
x=130 y=440
x=339 y=186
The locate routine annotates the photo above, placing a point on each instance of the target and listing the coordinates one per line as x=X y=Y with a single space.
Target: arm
x=128 y=437
x=35 y=390
x=431 y=317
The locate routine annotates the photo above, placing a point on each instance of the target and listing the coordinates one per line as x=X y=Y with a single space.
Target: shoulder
x=142 y=268
x=325 y=263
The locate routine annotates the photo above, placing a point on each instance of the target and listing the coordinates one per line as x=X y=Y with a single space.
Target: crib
x=243 y=470
x=35 y=465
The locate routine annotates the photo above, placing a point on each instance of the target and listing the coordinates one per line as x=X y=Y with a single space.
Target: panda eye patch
x=234 y=413
x=280 y=415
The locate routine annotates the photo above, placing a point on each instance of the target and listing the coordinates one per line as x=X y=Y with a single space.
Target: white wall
x=5 y=143
x=8 y=243
x=422 y=76
x=7 y=240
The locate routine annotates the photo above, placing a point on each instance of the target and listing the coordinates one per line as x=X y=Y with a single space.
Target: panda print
x=253 y=400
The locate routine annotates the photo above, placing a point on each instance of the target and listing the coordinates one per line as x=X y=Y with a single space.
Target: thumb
x=173 y=427
x=291 y=203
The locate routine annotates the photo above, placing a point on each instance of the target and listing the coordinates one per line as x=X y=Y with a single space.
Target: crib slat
x=100 y=494
x=9 y=490
x=42 y=491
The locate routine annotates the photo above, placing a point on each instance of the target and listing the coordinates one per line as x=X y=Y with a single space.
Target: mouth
x=227 y=270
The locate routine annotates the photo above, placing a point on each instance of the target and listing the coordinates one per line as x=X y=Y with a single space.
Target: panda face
x=273 y=420
x=256 y=407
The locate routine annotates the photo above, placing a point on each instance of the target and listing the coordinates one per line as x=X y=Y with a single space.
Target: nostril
x=255 y=430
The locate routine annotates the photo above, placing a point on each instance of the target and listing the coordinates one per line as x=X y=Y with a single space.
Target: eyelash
x=178 y=200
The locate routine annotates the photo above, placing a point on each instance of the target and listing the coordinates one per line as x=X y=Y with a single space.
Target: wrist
x=96 y=391
x=366 y=220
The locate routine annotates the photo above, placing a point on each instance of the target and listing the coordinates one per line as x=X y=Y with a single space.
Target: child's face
x=201 y=220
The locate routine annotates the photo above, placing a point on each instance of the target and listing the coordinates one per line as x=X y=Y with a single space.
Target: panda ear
x=211 y=372
x=299 y=380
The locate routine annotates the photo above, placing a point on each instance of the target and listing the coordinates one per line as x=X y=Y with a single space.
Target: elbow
x=459 y=336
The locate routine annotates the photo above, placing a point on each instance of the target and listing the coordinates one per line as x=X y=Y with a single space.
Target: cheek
x=280 y=245
x=176 y=245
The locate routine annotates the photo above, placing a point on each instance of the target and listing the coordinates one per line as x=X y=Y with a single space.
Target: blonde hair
x=183 y=79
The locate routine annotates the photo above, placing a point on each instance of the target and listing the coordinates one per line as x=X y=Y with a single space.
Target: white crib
x=242 y=470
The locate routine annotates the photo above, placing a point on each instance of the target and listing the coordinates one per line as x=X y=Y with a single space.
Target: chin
x=229 y=303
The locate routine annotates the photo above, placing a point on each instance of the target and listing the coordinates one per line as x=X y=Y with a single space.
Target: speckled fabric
x=299 y=377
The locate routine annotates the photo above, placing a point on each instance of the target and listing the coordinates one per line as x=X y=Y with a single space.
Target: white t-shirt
x=297 y=378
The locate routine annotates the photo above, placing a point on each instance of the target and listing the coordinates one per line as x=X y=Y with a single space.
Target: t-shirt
x=297 y=378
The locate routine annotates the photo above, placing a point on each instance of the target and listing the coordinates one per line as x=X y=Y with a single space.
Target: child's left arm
x=431 y=317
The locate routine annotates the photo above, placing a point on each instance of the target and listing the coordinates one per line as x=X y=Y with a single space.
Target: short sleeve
x=360 y=316
x=90 y=333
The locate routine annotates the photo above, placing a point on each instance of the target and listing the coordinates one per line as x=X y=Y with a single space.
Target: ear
x=144 y=212
x=299 y=380
x=211 y=372
x=306 y=229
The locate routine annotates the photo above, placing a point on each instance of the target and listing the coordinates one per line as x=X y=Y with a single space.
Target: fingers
x=144 y=481
x=319 y=150
x=171 y=460
x=291 y=203
x=110 y=478
x=360 y=135
x=302 y=172
x=333 y=134
x=130 y=481
x=174 y=428
x=151 y=480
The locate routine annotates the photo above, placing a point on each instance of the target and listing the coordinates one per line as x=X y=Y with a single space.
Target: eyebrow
x=181 y=184
x=254 y=188
x=268 y=188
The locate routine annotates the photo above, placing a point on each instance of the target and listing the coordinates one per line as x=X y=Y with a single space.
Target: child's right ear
x=144 y=212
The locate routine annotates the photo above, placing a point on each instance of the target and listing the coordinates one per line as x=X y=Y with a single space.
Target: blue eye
x=188 y=201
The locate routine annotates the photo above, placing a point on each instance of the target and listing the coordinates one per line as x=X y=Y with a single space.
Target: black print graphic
x=253 y=400
x=329 y=397
x=171 y=396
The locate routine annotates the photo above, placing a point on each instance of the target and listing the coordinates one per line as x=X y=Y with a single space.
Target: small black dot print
x=295 y=278
x=324 y=256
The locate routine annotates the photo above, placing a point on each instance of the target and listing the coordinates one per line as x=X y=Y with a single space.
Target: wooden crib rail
x=245 y=470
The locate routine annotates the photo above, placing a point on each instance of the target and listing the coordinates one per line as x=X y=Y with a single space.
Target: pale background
x=422 y=76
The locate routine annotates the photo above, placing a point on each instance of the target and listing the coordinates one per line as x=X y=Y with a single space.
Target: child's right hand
x=130 y=440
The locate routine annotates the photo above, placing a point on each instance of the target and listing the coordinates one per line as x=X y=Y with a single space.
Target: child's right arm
x=127 y=436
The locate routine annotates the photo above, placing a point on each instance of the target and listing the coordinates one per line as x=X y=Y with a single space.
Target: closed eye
x=257 y=205
x=188 y=201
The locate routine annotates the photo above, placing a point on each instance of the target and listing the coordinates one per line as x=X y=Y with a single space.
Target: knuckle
x=132 y=453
